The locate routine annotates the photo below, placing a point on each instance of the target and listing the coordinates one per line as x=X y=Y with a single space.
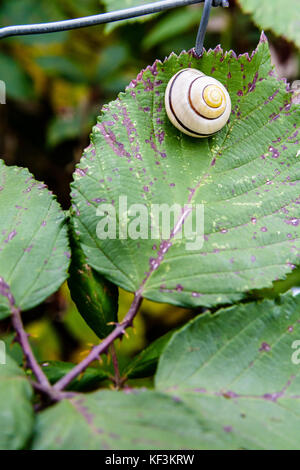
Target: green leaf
x=96 y=298
x=34 y=253
x=16 y=412
x=225 y=381
x=246 y=176
x=113 y=5
x=88 y=380
x=282 y=20
x=279 y=287
x=145 y=363
x=115 y=420
x=240 y=370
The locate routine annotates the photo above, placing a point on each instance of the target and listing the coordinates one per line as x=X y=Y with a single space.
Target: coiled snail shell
x=196 y=104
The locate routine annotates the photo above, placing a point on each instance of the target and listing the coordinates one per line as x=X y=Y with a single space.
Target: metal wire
x=203 y=27
x=53 y=27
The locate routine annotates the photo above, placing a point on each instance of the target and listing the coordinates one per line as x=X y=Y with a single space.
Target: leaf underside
x=112 y=420
x=96 y=299
x=246 y=176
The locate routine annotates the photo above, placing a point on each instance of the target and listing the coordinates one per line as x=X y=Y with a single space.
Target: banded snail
x=196 y=104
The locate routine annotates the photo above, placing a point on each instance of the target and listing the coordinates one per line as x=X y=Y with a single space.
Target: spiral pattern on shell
x=196 y=104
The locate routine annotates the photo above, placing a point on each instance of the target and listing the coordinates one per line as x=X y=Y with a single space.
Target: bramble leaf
x=34 y=252
x=240 y=370
x=246 y=177
x=16 y=411
x=115 y=420
x=224 y=381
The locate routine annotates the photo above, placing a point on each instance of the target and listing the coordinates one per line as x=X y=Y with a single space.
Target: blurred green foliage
x=56 y=85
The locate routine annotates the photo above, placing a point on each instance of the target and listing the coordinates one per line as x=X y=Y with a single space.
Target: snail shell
x=196 y=104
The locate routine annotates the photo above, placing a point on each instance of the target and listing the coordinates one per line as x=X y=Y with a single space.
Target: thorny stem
x=117 y=378
x=43 y=385
x=102 y=347
x=50 y=393
x=23 y=340
x=22 y=336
